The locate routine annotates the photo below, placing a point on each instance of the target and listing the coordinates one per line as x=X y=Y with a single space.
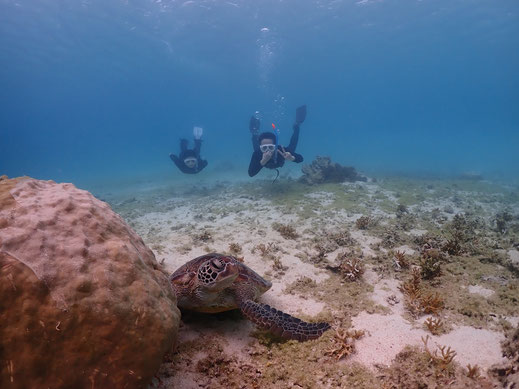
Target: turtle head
x=217 y=272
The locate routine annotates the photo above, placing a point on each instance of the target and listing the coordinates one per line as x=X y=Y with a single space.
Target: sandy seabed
x=478 y=285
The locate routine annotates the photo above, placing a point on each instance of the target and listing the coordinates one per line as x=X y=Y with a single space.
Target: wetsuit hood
x=267 y=135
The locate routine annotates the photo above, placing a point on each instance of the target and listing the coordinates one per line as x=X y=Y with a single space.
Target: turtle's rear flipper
x=282 y=324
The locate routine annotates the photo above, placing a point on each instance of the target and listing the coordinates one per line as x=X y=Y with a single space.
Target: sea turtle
x=215 y=283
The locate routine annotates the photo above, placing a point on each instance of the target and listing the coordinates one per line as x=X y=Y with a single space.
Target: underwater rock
x=323 y=170
x=83 y=301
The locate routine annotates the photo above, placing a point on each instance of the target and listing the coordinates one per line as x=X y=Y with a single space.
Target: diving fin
x=301 y=114
x=254 y=124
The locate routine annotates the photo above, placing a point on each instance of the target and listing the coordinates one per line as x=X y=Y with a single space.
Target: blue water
x=104 y=88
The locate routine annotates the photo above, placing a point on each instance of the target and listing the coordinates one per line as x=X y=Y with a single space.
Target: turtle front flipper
x=280 y=323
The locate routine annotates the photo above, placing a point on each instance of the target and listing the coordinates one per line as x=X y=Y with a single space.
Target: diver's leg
x=293 y=139
x=198 y=146
x=254 y=126
x=255 y=142
x=183 y=145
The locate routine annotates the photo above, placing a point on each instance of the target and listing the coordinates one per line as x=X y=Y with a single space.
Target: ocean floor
x=399 y=267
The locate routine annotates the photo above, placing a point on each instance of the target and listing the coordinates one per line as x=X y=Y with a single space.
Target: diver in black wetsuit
x=189 y=161
x=264 y=145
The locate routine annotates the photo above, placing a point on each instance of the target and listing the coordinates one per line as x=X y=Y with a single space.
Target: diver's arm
x=289 y=155
x=202 y=163
x=298 y=158
x=255 y=163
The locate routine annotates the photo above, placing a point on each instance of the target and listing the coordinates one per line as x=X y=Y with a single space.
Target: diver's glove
x=300 y=114
x=254 y=125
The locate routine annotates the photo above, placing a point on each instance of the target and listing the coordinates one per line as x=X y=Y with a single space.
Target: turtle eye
x=217 y=264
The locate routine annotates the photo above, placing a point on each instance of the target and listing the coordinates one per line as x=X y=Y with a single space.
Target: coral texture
x=322 y=170
x=83 y=301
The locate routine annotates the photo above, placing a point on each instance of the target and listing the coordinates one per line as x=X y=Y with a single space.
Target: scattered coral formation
x=203 y=237
x=323 y=170
x=266 y=250
x=434 y=325
x=442 y=360
x=418 y=302
x=344 y=343
x=286 y=230
x=430 y=266
x=235 y=248
x=473 y=371
x=364 y=222
x=400 y=260
x=350 y=268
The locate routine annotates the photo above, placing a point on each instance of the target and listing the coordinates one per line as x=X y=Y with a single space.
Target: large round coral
x=83 y=301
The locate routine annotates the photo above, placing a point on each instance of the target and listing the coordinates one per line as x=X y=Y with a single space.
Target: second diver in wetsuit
x=189 y=161
x=265 y=149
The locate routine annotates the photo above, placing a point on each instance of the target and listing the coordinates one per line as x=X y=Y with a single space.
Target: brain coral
x=83 y=303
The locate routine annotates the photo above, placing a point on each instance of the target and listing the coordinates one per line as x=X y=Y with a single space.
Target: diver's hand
x=286 y=154
x=267 y=155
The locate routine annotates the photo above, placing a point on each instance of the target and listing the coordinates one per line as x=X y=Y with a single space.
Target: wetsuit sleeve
x=255 y=165
x=299 y=158
x=202 y=163
x=181 y=166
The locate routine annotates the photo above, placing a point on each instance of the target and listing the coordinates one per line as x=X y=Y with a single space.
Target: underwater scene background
x=405 y=257
x=95 y=89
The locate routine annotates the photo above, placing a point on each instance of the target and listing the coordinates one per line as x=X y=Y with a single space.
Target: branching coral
x=400 y=260
x=502 y=219
x=265 y=249
x=235 y=248
x=344 y=343
x=401 y=210
x=204 y=236
x=390 y=239
x=432 y=304
x=364 y=222
x=342 y=238
x=473 y=371
x=430 y=267
x=286 y=230
x=435 y=326
x=416 y=302
x=268 y=251
x=278 y=265
x=453 y=245
x=350 y=269
x=444 y=359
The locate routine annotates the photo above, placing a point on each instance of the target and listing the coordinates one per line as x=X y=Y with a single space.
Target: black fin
x=301 y=114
